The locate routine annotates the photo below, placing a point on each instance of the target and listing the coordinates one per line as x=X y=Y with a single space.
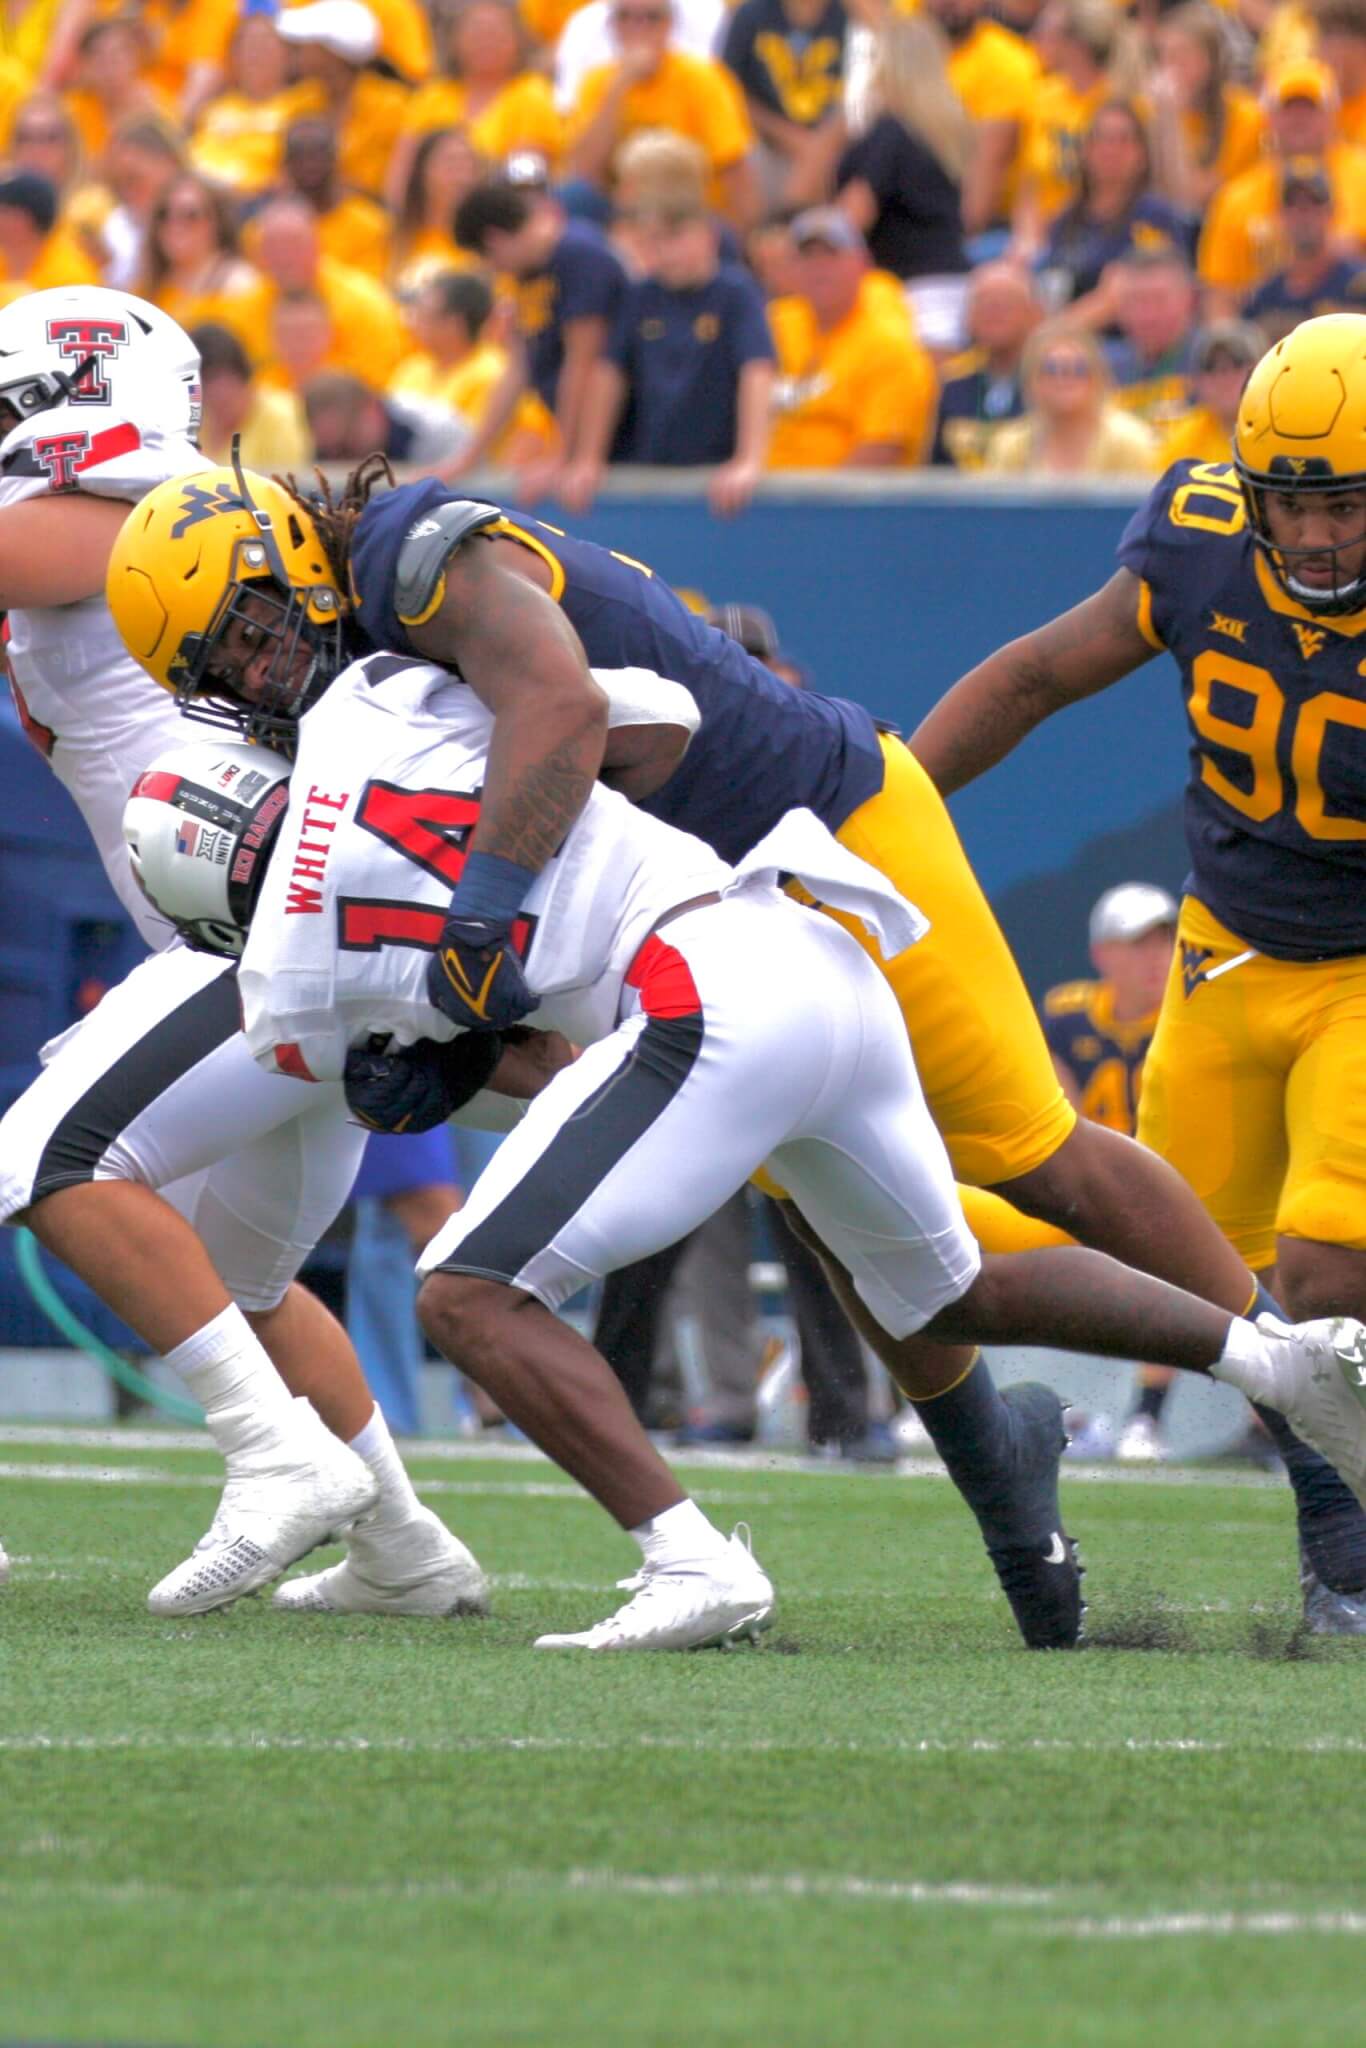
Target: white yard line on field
x=826 y=1888
x=262 y=1742
x=1151 y=1926
x=756 y=1464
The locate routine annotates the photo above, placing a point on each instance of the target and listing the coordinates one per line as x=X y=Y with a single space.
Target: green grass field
x=891 y=1825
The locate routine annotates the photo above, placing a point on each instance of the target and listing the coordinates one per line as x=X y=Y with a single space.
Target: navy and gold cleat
x=1042 y=1579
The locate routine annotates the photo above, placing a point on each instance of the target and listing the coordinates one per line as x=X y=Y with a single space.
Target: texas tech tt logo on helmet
x=61 y=455
x=92 y=342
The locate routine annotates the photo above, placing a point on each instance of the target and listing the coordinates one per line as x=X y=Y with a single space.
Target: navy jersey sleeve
x=747 y=320
x=1167 y=542
x=591 y=279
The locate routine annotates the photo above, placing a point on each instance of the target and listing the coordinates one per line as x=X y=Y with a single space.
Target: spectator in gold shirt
x=1222 y=360
x=444 y=169
x=366 y=328
x=996 y=76
x=1206 y=128
x=1341 y=26
x=487 y=89
x=458 y=366
x=193 y=267
x=336 y=42
x=143 y=160
x=109 y=84
x=239 y=134
x=1090 y=56
x=351 y=228
x=271 y=423
x=35 y=251
x=855 y=389
x=651 y=85
x=1241 y=243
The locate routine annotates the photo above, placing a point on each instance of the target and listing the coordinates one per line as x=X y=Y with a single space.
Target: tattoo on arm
x=532 y=818
x=513 y=646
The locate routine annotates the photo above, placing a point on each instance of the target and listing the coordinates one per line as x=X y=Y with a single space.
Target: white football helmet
x=199 y=825
x=89 y=346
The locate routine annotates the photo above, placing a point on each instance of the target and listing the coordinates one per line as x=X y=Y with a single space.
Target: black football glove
x=416 y=1087
x=475 y=978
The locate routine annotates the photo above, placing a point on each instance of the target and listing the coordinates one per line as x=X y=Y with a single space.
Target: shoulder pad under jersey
x=419 y=571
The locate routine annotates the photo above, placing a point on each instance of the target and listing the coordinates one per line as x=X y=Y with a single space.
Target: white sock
x=397 y=1502
x=1246 y=1363
x=681 y=1535
x=227 y=1369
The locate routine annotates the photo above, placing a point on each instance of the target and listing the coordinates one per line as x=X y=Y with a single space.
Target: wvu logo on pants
x=1194 y=965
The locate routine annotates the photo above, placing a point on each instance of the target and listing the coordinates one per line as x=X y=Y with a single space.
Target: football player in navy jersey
x=523 y=610
x=1254 y=578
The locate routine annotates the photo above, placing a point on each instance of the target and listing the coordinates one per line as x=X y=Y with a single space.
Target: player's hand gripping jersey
x=84 y=701
x=363 y=870
x=1276 y=704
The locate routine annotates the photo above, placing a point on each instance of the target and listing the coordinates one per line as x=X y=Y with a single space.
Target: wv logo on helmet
x=198 y=504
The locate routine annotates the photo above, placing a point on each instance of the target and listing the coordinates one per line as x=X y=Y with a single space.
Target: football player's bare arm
x=997 y=704
x=522 y=658
x=639 y=759
x=531 y=1060
x=55 y=550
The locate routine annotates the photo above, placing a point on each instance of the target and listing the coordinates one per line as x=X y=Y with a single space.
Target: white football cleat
x=1321 y=1388
x=1140 y=1442
x=728 y=1600
x=4 y=1565
x=416 y=1568
x=279 y=1503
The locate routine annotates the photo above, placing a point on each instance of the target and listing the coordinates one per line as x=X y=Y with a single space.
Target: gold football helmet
x=221 y=587
x=1302 y=428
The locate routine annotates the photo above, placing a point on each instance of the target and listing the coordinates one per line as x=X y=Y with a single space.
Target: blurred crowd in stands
x=547 y=237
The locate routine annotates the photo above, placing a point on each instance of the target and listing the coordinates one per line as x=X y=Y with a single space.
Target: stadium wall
x=887 y=590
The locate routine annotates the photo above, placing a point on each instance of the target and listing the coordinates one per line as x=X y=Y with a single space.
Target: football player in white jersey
x=725 y=1024
x=99 y=402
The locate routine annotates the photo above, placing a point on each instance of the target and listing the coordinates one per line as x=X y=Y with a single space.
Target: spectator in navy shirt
x=789 y=58
x=1150 y=359
x=901 y=182
x=1117 y=212
x=569 y=291
x=689 y=370
x=984 y=387
x=1320 y=277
